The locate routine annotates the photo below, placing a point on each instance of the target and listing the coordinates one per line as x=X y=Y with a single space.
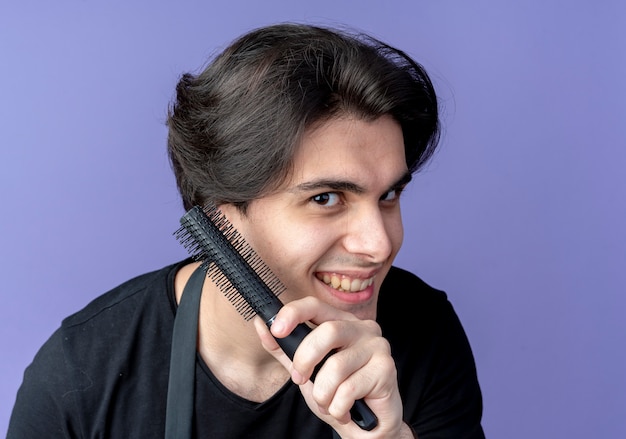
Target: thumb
x=269 y=343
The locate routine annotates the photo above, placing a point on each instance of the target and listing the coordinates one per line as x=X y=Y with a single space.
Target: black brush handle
x=360 y=412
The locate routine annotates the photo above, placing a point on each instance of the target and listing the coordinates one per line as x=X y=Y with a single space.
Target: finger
x=269 y=344
x=351 y=373
x=342 y=346
x=374 y=382
x=308 y=309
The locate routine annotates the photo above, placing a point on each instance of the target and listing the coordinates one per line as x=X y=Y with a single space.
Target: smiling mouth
x=345 y=283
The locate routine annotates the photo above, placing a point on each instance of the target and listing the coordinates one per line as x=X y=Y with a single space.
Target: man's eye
x=326 y=199
x=392 y=195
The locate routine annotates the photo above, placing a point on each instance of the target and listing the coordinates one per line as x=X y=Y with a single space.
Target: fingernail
x=277 y=327
x=296 y=377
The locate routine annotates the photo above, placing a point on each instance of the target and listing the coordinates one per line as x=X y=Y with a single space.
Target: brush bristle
x=195 y=235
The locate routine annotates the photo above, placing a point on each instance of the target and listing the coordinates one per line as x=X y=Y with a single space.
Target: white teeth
x=356 y=285
x=345 y=283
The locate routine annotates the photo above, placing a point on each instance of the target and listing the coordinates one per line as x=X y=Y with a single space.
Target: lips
x=345 y=283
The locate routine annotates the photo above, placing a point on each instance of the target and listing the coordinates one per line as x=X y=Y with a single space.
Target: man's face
x=333 y=229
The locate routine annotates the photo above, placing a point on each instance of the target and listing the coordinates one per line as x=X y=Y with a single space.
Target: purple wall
x=521 y=217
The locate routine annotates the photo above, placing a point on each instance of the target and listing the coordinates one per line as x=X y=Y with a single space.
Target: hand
x=360 y=367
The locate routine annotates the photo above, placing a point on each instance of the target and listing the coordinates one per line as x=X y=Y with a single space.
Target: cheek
x=298 y=254
x=287 y=248
x=301 y=246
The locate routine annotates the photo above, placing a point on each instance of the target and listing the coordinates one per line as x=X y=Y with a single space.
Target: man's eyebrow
x=328 y=184
x=344 y=185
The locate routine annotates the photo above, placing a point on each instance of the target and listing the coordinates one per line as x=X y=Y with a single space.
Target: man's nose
x=368 y=234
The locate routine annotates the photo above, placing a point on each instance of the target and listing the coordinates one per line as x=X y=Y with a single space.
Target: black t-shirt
x=104 y=372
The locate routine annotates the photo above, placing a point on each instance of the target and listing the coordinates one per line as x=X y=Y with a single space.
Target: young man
x=305 y=138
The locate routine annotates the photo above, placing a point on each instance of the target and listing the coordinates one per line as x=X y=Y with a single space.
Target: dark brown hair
x=234 y=127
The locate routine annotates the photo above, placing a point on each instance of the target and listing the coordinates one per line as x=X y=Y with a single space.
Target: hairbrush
x=246 y=280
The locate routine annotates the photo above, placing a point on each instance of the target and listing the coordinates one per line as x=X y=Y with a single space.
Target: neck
x=230 y=346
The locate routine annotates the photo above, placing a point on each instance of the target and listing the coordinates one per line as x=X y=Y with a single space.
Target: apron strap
x=181 y=385
x=182 y=378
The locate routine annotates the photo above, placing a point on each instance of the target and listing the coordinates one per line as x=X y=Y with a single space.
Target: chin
x=362 y=312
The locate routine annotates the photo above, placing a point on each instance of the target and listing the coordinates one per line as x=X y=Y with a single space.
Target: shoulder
x=409 y=306
x=406 y=293
x=436 y=368
x=125 y=295
x=122 y=324
x=399 y=277
x=112 y=320
x=404 y=281
x=93 y=353
x=414 y=316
